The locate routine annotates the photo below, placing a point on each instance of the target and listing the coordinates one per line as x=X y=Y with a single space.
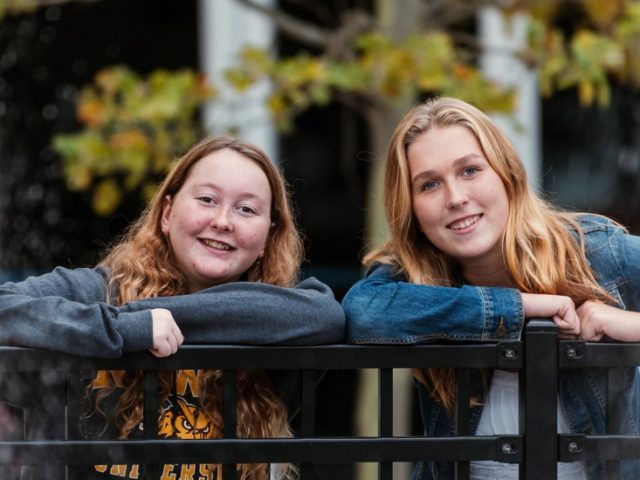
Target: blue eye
x=430 y=185
x=470 y=171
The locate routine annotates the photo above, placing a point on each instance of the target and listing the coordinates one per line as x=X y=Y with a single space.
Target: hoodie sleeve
x=65 y=310
x=253 y=313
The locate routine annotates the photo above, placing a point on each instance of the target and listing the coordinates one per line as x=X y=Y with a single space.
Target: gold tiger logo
x=188 y=422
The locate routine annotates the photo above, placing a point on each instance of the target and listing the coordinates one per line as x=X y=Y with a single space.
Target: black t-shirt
x=181 y=418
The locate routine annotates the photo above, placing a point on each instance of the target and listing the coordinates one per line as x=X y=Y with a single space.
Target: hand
x=559 y=308
x=599 y=319
x=167 y=337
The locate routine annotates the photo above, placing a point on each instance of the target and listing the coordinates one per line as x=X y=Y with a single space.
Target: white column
x=225 y=28
x=502 y=38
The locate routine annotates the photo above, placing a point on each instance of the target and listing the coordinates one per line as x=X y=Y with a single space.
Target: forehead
x=444 y=143
x=229 y=170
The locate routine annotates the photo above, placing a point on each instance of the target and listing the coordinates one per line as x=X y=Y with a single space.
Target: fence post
x=539 y=401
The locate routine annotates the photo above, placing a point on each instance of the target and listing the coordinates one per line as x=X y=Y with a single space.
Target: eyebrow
x=456 y=164
x=243 y=195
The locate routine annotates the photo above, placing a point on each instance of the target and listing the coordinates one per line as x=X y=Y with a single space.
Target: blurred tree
x=377 y=60
x=134 y=127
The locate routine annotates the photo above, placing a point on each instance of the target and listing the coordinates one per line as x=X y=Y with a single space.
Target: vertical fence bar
x=150 y=419
x=307 y=470
x=462 y=417
x=229 y=471
x=615 y=387
x=74 y=405
x=73 y=414
x=385 y=416
x=539 y=401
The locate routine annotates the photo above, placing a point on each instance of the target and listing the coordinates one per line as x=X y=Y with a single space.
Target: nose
x=456 y=196
x=222 y=219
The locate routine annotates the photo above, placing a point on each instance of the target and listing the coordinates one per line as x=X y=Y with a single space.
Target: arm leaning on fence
x=237 y=313
x=384 y=308
x=255 y=314
x=66 y=310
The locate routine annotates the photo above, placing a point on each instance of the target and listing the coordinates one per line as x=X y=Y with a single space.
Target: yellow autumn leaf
x=106 y=197
x=77 y=176
x=603 y=13
x=128 y=139
x=586 y=92
x=276 y=104
x=91 y=112
x=148 y=191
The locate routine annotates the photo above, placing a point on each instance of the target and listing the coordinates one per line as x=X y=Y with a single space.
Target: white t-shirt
x=500 y=417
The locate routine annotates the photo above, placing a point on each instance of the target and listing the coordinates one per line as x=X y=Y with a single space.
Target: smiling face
x=458 y=200
x=218 y=222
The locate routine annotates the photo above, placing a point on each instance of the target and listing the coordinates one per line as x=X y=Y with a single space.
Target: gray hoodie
x=66 y=310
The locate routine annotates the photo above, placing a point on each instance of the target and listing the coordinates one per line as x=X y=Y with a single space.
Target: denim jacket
x=383 y=308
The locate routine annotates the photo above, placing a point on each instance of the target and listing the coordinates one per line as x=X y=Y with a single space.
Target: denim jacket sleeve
x=382 y=308
x=627 y=251
x=614 y=256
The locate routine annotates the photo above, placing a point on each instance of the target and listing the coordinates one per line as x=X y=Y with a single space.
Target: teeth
x=214 y=244
x=467 y=222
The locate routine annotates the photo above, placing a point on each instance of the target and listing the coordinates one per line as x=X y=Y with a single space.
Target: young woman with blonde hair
x=213 y=259
x=473 y=252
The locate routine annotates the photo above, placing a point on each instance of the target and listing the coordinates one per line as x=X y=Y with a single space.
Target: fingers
x=177 y=334
x=167 y=336
x=164 y=348
x=568 y=325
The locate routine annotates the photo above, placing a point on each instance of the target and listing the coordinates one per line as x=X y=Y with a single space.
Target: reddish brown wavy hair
x=142 y=266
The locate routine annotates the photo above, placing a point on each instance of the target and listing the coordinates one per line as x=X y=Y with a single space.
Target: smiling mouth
x=465 y=223
x=217 y=245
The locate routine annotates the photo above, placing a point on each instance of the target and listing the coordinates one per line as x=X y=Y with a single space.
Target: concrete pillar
x=226 y=27
x=502 y=38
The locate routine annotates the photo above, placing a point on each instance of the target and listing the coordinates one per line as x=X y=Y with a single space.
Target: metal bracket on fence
x=510 y=449
x=509 y=355
x=571 y=448
x=573 y=351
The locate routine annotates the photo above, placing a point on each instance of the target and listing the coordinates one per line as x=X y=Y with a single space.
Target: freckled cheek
x=255 y=238
x=191 y=223
x=427 y=216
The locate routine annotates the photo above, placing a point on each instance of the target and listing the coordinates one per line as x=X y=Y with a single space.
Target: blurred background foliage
x=133 y=126
x=375 y=57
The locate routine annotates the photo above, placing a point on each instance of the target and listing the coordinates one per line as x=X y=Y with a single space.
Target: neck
x=488 y=272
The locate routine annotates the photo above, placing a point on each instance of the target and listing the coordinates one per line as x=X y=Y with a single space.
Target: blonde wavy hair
x=142 y=266
x=539 y=252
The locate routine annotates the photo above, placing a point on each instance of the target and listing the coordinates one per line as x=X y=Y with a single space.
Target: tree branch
x=21 y=7
x=442 y=14
x=304 y=32
x=335 y=43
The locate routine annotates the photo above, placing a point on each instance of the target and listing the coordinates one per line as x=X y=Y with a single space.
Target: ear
x=167 y=203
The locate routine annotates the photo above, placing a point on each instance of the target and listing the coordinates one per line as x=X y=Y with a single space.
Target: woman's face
x=218 y=222
x=459 y=201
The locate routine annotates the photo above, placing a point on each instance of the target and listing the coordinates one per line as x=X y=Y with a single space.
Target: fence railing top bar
x=573 y=448
x=295 y=450
x=331 y=357
x=575 y=354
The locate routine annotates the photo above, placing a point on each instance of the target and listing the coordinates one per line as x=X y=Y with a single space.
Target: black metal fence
x=537 y=449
